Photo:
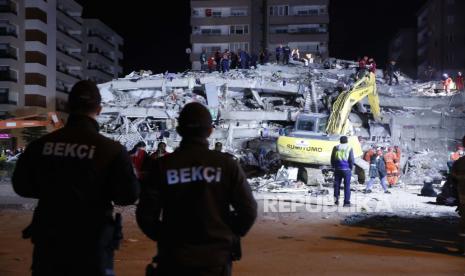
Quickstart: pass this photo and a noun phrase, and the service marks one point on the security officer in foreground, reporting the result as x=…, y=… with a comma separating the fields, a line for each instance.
x=77, y=175
x=458, y=174
x=193, y=189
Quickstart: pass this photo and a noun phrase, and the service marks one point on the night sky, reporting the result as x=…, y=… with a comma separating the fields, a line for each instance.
x=156, y=33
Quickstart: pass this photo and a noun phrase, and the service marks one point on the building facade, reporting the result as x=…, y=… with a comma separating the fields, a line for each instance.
x=441, y=37
x=255, y=25
x=44, y=51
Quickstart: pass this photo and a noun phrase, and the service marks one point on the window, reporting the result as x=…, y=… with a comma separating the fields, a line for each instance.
x=238, y=11
x=36, y=79
x=36, y=57
x=8, y=6
x=234, y=47
x=35, y=100
x=279, y=10
x=450, y=19
x=239, y=29
x=216, y=13
x=306, y=125
x=35, y=13
x=210, y=31
x=4, y=96
x=306, y=10
x=7, y=29
x=8, y=75
x=6, y=51
x=36, y=35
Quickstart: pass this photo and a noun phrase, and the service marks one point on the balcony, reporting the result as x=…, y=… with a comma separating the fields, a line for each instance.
x=100, y=70
x=7, y=32
x=299, y=19
x=9, y=7
x=8, y=75
x=232, y=20
x=68, y=72
x=103, y=38
x=63, y=51
x=65, y=12
x=199, y=38
x=9, y=52
x=296, y=37
x=102, y=54
x=65, y=32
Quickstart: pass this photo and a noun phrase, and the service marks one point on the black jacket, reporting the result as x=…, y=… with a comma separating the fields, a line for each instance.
x=194, y=188
x=77, y=174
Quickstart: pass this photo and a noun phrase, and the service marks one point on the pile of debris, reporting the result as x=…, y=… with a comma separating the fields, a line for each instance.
x=251, y=108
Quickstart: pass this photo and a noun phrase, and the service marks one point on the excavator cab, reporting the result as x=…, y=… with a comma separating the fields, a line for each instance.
x=311, y=122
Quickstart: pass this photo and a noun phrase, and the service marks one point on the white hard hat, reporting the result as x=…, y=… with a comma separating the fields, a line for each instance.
x=445, y=75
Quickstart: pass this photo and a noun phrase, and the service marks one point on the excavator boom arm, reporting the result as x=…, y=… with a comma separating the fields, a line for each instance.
x=364, y=87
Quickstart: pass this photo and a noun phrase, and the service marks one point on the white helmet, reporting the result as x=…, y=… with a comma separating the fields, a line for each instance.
x=445, y=75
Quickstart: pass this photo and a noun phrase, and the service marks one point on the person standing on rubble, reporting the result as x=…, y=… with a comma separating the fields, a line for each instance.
x=392, y=72
x=218, y=60
x=342, y=160
x=194, y=189
x=459, y=81
x=286, y=54
x=362, y=67
x=447, y=83
x=203, y=60
x=211, y=64
x=392, y=159
x=77, y=175
x=458, y=175
x=244, y=59
x=225, y=61
x=279, y=52
x=371, y=65
x=377, y=169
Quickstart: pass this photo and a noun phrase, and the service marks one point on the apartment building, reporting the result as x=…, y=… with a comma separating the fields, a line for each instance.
x=301, y=24
x=441, y=37
x=44, y=51
x=103, y=51
x=254, y=25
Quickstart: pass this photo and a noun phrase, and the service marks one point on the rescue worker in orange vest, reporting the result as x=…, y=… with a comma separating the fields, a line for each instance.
x=454, y=156
x=392, y=159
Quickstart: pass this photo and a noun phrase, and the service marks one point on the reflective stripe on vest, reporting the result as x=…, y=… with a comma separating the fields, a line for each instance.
x=342, y=152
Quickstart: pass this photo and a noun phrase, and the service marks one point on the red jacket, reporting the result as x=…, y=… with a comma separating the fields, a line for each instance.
x=459, y=82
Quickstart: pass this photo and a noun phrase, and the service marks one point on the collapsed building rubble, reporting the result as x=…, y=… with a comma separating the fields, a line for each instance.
x=251, y=108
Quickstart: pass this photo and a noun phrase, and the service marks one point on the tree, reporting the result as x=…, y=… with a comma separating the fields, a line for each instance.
x=32, y=133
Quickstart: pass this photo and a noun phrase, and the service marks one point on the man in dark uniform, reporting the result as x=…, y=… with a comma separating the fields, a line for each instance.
x=77, y=174
x=194, y=189
x=458, y=175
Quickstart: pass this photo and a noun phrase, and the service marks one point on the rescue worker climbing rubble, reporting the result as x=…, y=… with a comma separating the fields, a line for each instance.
x=458, y=175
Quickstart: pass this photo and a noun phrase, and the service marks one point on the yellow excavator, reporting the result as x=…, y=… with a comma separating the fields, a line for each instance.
x=310, y=143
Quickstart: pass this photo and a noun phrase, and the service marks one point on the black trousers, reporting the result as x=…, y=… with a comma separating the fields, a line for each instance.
x=169, y=269
x=53, y=260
